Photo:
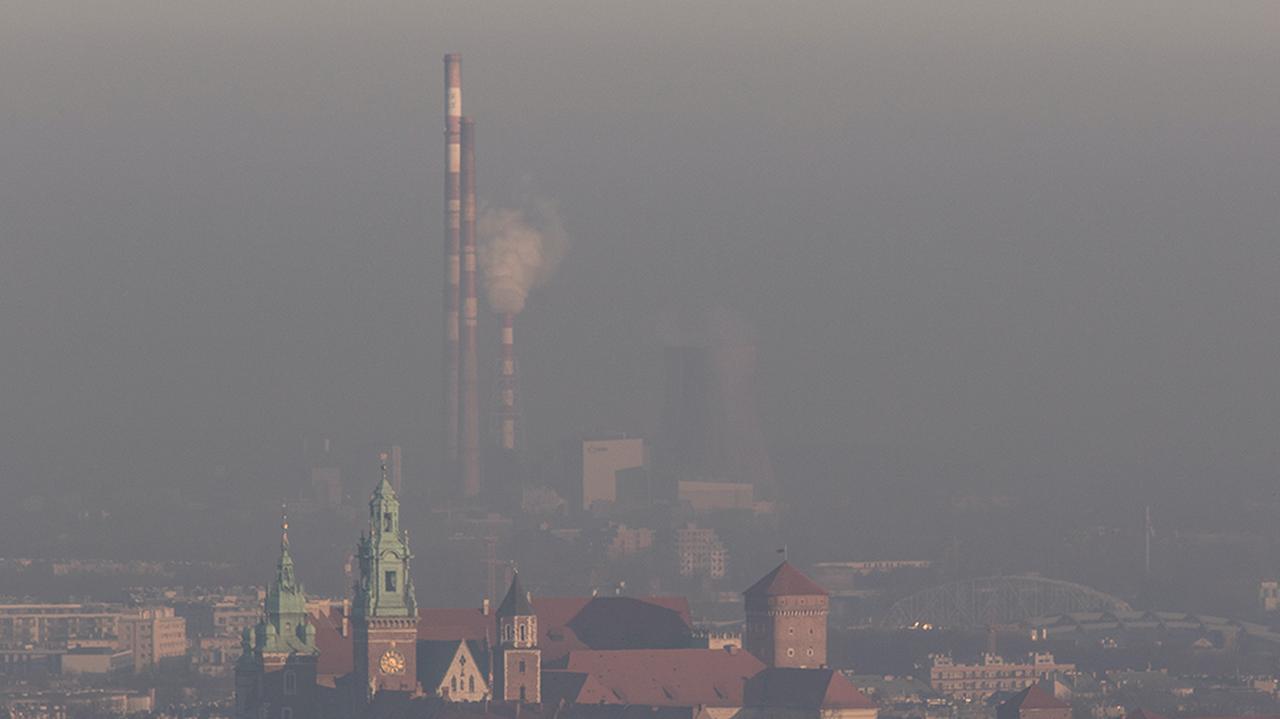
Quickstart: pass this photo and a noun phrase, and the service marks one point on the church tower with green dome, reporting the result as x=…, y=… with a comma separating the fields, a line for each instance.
x=276, y=673
x=385, y=611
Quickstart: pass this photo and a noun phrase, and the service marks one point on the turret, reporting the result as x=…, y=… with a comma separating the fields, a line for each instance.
x=519, y=667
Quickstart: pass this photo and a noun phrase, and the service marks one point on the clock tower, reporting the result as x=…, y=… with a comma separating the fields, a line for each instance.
x=385, y=610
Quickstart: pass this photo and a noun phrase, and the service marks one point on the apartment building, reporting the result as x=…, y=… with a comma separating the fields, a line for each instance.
x=991, y=674
x=153, y=634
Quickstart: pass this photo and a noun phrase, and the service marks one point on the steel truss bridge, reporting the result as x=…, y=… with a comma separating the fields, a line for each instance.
x=1000, y=600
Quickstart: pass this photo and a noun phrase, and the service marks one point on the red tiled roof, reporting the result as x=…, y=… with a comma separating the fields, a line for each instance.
x=432, y=708
x=572, y=688
x=841, y=693
x=337, y=657
x=448, y=623
x=805, y=688
x=1033, y=697
x=669, y=677
x=785, y=580
x=629, y=623
x=566, y=624
x=1232, y=717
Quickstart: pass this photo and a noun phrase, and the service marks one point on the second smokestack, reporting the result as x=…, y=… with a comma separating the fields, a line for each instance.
x=508, y=410
x=470, y=420
x=452, y=250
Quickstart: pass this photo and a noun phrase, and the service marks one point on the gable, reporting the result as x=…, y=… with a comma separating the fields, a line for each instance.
x=450, y=669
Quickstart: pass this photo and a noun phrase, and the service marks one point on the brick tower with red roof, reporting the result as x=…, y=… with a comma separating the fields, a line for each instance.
x=787, y=620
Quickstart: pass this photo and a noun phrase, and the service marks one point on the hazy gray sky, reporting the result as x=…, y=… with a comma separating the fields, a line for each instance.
x=1038, y=236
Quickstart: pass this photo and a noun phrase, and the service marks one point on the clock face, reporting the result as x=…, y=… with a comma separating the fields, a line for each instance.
x=392, y=662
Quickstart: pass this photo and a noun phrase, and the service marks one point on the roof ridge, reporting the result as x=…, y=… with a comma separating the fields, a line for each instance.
x=786, y=580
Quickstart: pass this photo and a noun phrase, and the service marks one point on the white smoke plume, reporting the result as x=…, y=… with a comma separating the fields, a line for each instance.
x=518, y=251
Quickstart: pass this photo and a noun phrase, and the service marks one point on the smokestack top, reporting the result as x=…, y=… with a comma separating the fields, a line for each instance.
x=453, y=98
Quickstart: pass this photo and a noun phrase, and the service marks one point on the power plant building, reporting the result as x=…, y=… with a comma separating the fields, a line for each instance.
x=598, y=461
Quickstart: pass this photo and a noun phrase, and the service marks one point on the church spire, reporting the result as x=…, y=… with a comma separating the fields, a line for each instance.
x=384, y=486
x=284, y=628
x=516, y=603
x=284, y=567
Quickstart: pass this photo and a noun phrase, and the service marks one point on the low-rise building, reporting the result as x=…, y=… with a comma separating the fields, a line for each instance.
x=991, y=674
x=216, y=656
x=55, y=624
x=1033, y=703
x=699, y=552
x=630, y=540
x=96, y=660
x=29, y=661
x=1269, y=596
x=716, y=496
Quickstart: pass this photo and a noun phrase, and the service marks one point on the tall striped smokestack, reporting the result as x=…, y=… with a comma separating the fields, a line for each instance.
x=507, y=389
x=452, y=248
x=470, y=421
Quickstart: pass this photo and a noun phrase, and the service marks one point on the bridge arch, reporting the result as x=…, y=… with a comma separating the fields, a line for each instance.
x=997, y=600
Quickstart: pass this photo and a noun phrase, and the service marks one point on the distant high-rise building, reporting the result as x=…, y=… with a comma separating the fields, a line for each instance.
x=710, y=426
x=396, y=476
x=325, y=474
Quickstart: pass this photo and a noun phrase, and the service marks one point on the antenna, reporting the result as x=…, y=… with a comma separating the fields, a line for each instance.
x=1148, y=531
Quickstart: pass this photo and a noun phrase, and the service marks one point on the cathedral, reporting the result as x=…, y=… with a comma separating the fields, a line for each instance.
x=379, y=655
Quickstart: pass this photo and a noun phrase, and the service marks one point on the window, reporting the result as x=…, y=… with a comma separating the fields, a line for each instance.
x=453, y=684
x=391, y=581
x=522, y=632
x=471, y=683
x=522, y=666
x=290, y=683
x=791, y=652
x=387, y=524
x=522, y=693
x=809, y=651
